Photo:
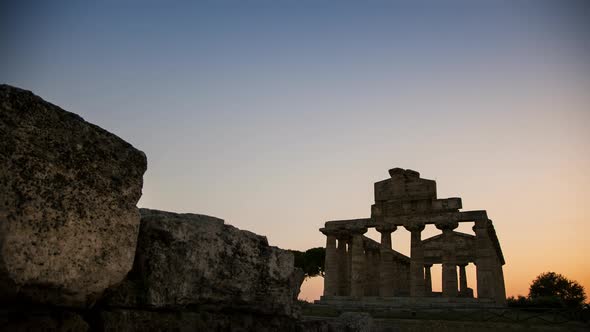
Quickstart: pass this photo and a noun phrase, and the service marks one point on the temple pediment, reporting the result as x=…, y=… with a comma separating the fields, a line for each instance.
x=464, y=245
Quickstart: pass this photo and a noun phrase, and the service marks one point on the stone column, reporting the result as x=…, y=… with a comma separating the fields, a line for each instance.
x=462, y=278
x=372, y=271
x=342, y=266
x=330, y=264
x=449, y=263
x=368, y=273
x=427, y=280
x=358, y=263
x=349, y=265
x=387, y=266
x=500, y=287
x=416, y=260
x=377, y=271
x=484, y=260
x=404, y=278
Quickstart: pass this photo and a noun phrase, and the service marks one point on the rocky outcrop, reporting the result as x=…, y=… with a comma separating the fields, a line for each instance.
x=74, y=255
x=68, y=194
x=212, y=273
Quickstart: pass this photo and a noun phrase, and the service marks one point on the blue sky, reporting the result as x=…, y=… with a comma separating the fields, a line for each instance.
x=280, y=115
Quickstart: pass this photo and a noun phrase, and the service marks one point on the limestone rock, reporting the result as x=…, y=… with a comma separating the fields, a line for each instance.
x=191, y=260
x=353, y=322
x=68, y=194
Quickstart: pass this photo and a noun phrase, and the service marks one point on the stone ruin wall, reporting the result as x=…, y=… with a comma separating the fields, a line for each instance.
x=358, y=268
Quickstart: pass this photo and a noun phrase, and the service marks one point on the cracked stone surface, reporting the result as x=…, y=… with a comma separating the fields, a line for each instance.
x=192, y=260
x=68, y=194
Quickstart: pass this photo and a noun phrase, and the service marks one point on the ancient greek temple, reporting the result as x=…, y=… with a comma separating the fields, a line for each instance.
x=360, y=269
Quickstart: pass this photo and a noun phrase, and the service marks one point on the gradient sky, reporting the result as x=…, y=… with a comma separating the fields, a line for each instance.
x=280, y=115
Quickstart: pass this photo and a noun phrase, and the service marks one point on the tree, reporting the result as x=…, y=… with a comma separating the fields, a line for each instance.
x=520, y=301
x=549, y=287
x=311, y=261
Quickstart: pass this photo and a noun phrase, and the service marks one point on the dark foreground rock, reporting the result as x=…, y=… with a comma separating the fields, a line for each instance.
x=234, y=321
x=68, y=194
x=346, y=322
x=208, y=272
x=34, y=319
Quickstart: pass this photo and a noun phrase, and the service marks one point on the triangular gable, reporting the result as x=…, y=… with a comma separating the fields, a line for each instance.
x=464, y=248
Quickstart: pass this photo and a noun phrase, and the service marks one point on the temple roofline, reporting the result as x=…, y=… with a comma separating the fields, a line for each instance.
x=427, y=219
x=438, y=236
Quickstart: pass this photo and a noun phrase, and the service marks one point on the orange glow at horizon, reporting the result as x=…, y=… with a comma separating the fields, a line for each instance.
x=517, y=279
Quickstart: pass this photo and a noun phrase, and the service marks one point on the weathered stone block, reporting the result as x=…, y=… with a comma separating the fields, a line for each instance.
x=393, y=208
x=404, y=186
x=420, y=188
x=377, y=210
x=68, y=194
x=415, y=206
x=353, y=322
x=190, y=260
x=447, y=204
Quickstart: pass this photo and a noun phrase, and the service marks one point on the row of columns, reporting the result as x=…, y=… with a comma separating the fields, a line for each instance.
x=345, y=263
x=462, y=278
x=345, y=270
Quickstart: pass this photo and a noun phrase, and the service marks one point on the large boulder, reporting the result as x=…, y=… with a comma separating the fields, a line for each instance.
x=188, y=261
x=68, y=194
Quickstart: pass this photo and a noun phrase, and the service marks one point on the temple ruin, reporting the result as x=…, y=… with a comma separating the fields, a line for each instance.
x=360, y=270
